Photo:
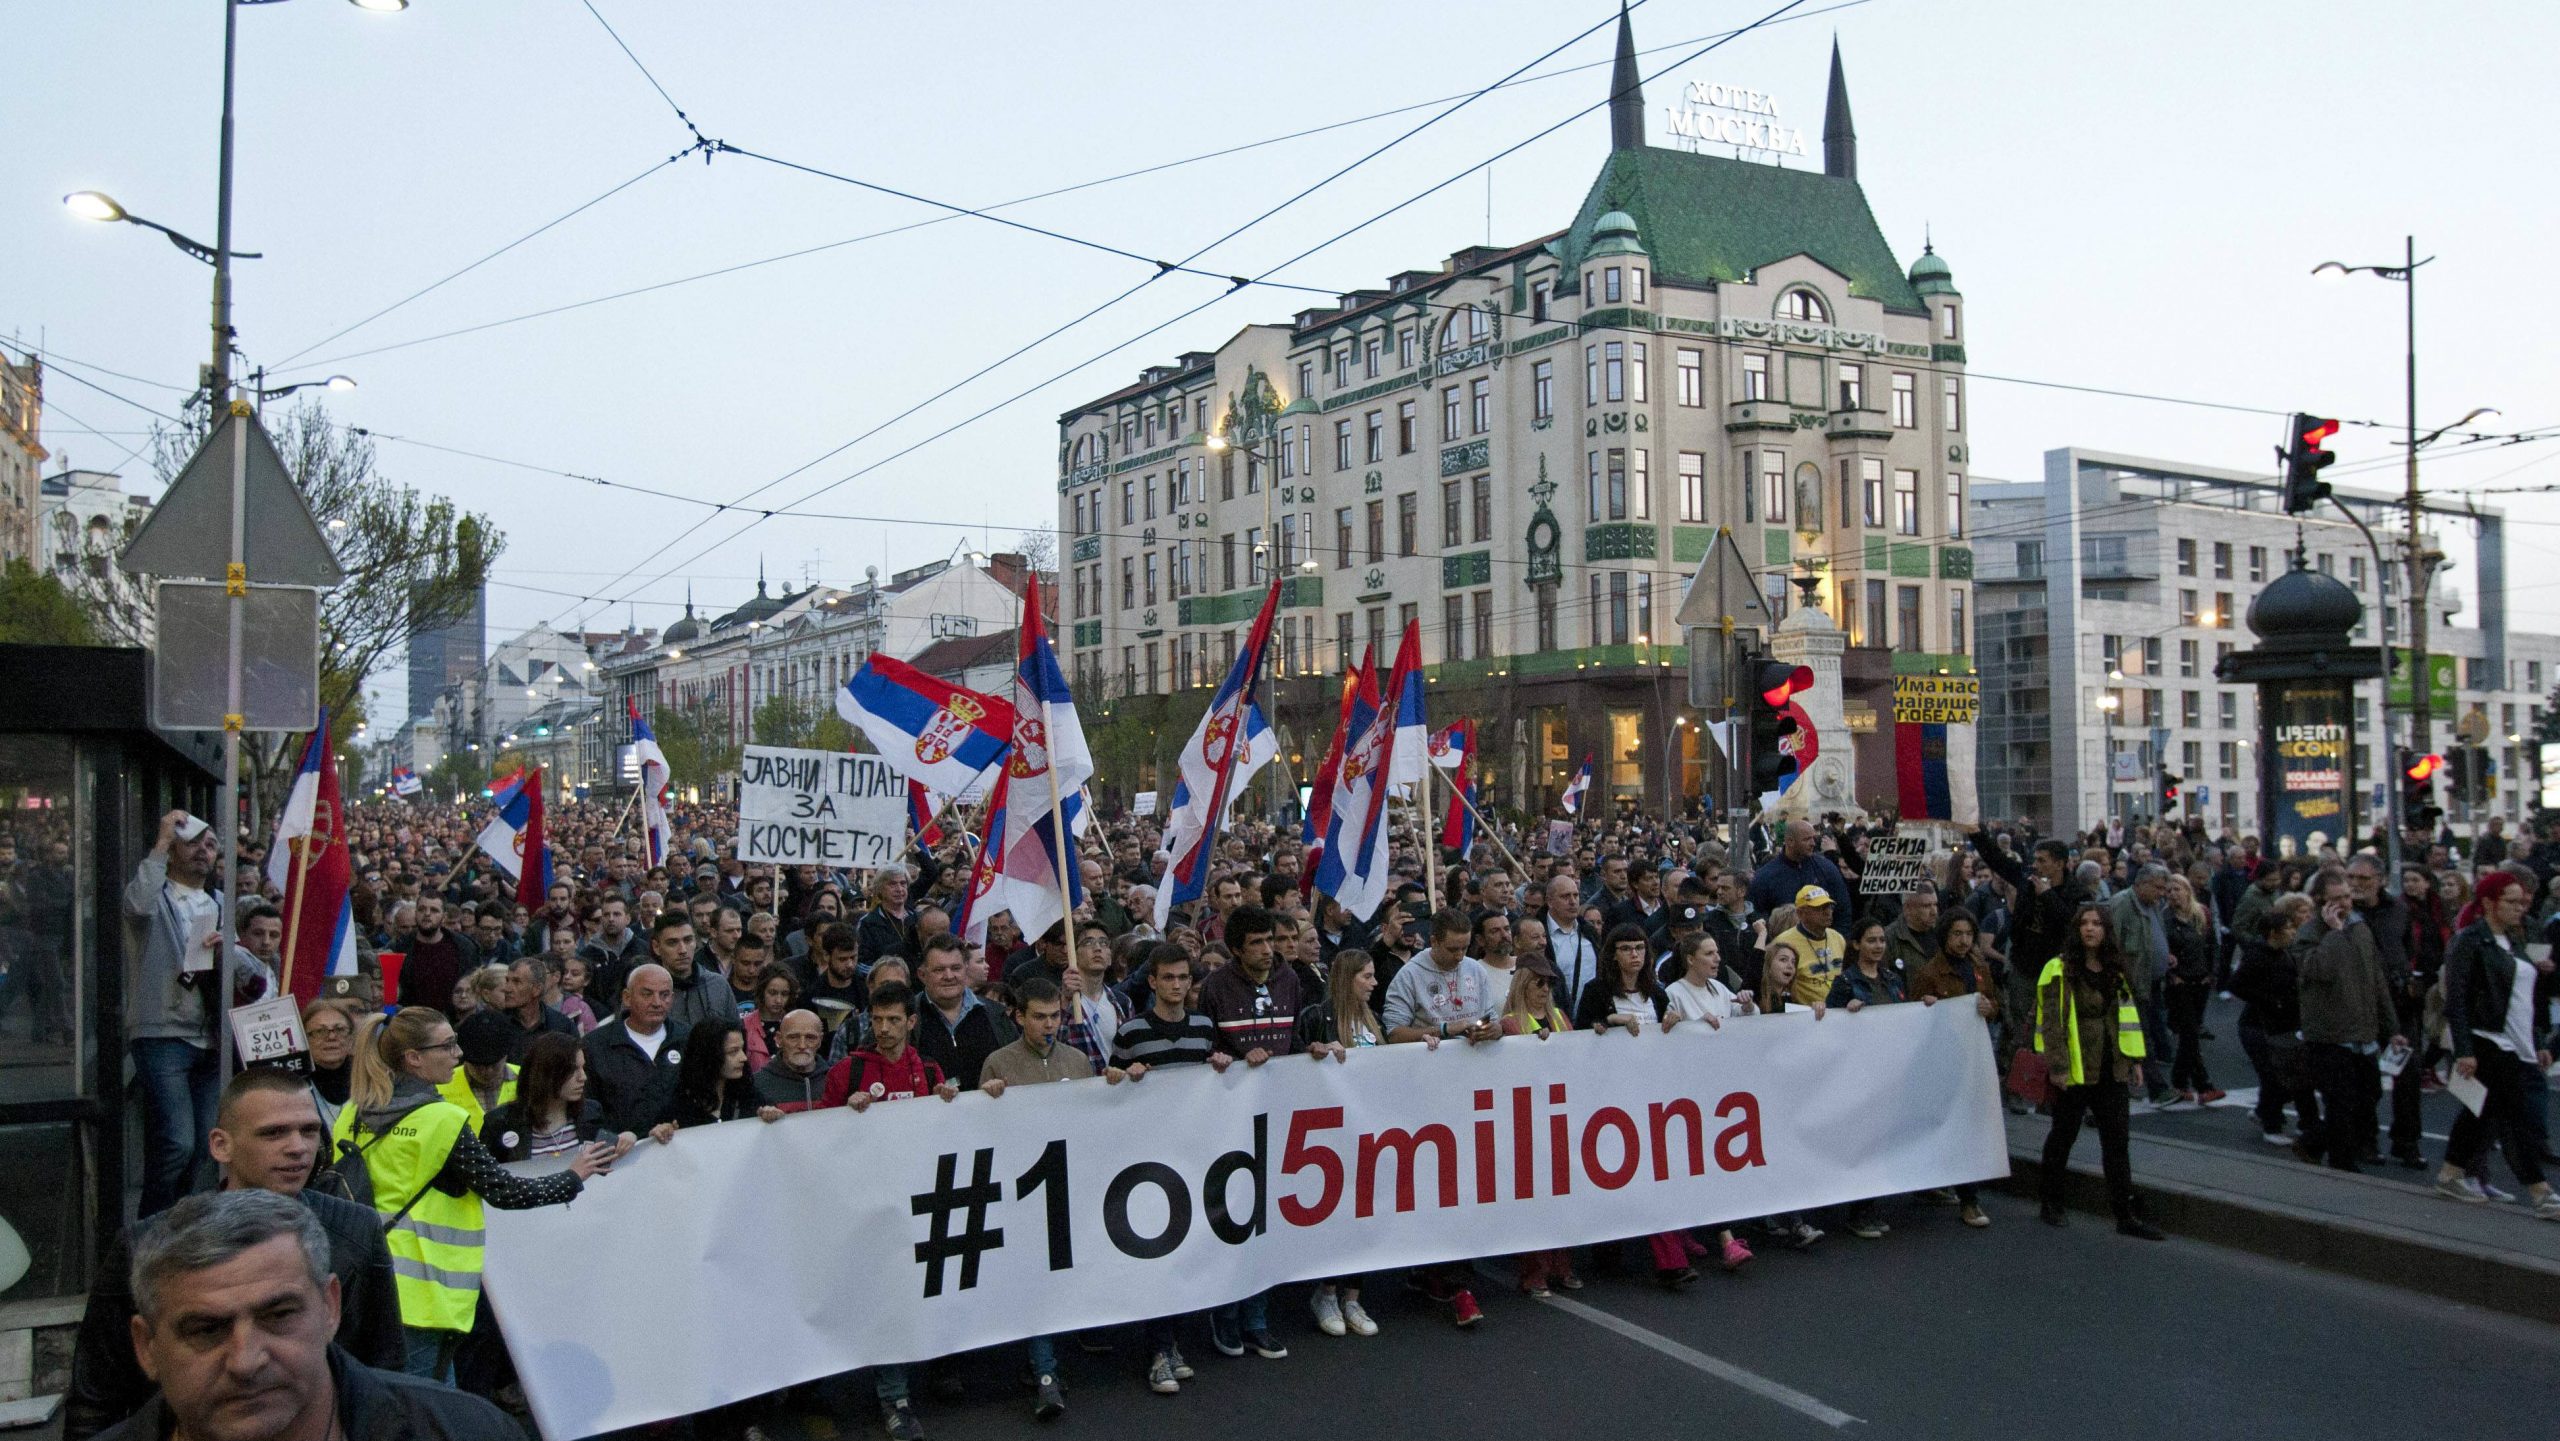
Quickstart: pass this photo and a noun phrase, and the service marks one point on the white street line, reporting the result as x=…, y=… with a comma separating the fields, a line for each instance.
x=1725, y=1371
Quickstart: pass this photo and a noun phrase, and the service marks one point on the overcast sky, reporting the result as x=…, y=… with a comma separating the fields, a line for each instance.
x=2130, y=196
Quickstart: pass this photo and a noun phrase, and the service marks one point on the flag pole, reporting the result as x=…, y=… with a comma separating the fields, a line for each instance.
x=1065, y=852
x=1430, y=838
x=293, y=923
x=1485, y=828
x=629, y=807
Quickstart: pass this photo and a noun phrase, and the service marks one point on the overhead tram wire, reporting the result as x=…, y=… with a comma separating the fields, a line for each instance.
x=434, y=285
x=1115, y=300
x=1142, y=171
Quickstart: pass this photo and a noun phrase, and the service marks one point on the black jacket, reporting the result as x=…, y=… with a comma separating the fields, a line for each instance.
x=633, y=1090
x=2479, y=982
x=508, y=1133
x=963, y=1053
x=107, y=1384
x=373, y=1405
x=2041, y=928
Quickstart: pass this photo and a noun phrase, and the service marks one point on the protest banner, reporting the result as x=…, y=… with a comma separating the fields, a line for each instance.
x=820, y=808
x=923, y=1228
x=1896, y=864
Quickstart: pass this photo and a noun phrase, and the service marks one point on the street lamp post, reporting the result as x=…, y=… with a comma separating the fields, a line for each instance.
x=1251, y=425
x=92, y=205
x=2107, y=703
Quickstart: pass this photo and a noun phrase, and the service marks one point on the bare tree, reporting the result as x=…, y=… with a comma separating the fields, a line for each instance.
x=1039, y=550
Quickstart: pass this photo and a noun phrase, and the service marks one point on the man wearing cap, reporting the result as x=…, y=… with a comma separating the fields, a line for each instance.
x=1818, y=948
x=173, y=921
x=484, y=1081
x=1685, y=921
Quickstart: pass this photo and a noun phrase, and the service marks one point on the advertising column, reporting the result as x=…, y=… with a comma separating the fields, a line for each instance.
x=2304, y=774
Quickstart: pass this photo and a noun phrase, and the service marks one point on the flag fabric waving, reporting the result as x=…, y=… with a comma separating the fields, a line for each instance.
x=515, y=833
x=656, y=781
x=405, y=782
x=1205, y=775
x=1029, y=865
x=934, y=733
x=308, y=863
x=924, y=811
x=1320, y=795
x=1457, y=744
x=1573, y=792
x=1353, y=869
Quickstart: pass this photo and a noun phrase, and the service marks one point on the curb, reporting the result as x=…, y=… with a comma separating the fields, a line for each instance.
x=2483, y=1276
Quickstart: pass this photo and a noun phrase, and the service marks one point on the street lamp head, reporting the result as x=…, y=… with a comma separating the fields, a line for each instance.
x=340, y=382
x=93, y=205
x=1217, y=441
x=381, y=7
x=2106, y=703
x=2115, y=673
x=2331, y=271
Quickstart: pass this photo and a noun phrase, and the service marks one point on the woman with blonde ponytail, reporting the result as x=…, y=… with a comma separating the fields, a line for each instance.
x=431, y=1177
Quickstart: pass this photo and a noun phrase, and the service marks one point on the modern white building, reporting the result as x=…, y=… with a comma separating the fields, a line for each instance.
x=2111, y=590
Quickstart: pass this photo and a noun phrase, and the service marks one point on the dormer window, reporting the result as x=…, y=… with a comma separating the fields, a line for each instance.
x=1635, y=284
x=1612, y=284
x=1803, y=307
x=1946, y=322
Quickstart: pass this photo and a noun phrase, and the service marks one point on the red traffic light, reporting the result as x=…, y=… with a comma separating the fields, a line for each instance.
x=2424, y=768
x=2316, y=430
x=1784, y=689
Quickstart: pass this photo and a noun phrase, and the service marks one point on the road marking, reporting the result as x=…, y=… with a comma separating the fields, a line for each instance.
x=1697, y=1360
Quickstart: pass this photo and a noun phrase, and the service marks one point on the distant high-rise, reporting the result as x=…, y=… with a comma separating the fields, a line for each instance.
x=439, y=658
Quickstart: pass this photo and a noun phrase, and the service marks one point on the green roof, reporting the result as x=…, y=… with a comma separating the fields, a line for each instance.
x=1709, y=218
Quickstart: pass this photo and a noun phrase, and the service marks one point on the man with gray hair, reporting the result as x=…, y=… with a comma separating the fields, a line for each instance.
x=2141, y=916
x=235, y=1308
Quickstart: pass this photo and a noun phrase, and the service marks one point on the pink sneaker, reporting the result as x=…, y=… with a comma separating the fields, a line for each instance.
x=1735, y=1253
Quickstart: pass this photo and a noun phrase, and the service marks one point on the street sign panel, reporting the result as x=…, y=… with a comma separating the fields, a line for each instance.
x=1723, y=601
x=188, y=533
x=279, y=657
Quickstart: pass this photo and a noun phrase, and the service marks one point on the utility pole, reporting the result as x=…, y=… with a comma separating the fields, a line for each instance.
x=2421, y=703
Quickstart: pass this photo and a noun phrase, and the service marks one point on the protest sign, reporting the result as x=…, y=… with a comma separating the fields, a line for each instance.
x=819, y=808
x=1896, y=864
x=1083, y=1204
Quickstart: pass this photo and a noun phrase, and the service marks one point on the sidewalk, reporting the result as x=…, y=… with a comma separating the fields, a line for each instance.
x=2376, y=1227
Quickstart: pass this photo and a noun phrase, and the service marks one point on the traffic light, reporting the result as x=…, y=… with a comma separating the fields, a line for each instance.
x=2304, y=458
x=2169, y=783
x=2418, y=808
x=1775, y=721
x=2458, y=765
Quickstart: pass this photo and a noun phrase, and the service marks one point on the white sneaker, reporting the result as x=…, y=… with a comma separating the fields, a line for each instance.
x=1358, y=1319
x=1329, y=1314
x=2547, y=1208
x=2492, y=1193
x=2275, y=1138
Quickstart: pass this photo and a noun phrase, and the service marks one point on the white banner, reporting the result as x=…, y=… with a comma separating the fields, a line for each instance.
x=821, y=808
x=922, y=1228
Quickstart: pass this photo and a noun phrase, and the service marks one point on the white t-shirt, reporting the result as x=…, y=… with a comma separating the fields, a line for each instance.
x=1693, y=1002
x=2517, y=1038
x=650, y=1042
x=1502, y=978
x=1634, y=1013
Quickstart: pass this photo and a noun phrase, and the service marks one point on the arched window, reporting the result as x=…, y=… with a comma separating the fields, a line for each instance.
x=1803, y=307
x=1453, y=331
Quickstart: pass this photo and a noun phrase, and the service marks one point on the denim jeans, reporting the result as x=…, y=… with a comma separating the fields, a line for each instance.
x=1253, y=1313
x=889, y=1383
x=1044, y=1355
x=181, y=1084
x=430, y=1356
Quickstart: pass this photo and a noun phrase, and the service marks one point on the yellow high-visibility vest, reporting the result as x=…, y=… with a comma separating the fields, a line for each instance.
x=457, y=1089
x=437, y=1241
x=2128, y=1020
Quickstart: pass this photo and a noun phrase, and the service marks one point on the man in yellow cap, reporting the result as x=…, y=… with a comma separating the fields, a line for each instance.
x=1818, y=948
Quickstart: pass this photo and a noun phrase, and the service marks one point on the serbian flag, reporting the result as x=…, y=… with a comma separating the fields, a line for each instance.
x=1320, y=795
x=1353, y=869
x=515, y=833
x=1029, y=864
x=1454, y=749
x=308, y=863
x=1205, y=775
x=934, y=733
x=405, y=782
x=1573, y=792
x=656, y=781
x=1933, y=765
x=923, y=811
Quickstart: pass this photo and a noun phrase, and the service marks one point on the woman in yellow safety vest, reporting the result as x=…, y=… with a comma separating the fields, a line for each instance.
x=430, y=1176
x=2089, y=1030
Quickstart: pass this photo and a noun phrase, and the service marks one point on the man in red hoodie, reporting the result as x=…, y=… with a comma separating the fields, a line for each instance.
x=891, y=1070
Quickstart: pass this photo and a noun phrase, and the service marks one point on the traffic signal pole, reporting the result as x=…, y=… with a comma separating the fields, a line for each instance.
x=2421, y=702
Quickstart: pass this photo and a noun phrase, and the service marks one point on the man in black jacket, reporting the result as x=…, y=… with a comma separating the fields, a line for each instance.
x=236, y=1307
x=954, y=1029
x=267, y=1137
x=631, y=1059
x=2041, y=927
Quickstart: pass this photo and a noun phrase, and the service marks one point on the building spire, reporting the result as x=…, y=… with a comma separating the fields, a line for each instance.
x=760, y=577
x=1626, y=90
x=1839, y=136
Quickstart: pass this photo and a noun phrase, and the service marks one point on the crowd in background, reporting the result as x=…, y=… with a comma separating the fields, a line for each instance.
x=639, y=1000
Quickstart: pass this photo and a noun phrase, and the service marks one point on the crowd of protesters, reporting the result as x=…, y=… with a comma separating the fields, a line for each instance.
x=641, y=1000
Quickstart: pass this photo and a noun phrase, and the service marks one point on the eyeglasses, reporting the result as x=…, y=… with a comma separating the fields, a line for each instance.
x=443, y=1046
x=325, y=1033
